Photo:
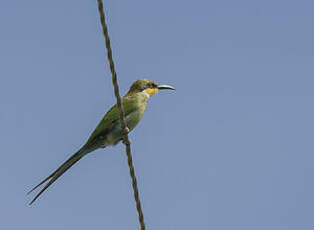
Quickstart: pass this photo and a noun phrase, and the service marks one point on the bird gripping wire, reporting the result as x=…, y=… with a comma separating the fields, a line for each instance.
x=124, y=128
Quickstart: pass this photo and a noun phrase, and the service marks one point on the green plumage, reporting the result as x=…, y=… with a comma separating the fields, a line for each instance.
x=108, y=131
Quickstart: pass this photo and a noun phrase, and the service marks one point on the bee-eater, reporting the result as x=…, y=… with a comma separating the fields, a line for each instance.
x=108, y=132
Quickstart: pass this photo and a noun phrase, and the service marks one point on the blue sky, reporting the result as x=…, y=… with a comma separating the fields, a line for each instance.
x=232, y=148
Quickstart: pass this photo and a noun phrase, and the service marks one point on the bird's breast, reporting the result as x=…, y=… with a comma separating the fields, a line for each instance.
x=134, y=118
x=131, y=119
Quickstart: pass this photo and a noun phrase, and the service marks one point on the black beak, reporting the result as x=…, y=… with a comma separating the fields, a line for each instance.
x=166, y=87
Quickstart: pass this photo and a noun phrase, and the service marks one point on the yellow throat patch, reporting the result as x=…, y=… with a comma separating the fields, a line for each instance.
x=150, y=91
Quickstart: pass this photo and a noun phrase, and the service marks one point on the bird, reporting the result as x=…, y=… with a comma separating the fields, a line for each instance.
x=108, y=132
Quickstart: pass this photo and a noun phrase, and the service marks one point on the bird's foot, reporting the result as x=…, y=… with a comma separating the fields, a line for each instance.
x=125, y=131
x=126, y=141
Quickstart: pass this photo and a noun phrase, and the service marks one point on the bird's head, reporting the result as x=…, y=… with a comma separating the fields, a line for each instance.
x=148, y=87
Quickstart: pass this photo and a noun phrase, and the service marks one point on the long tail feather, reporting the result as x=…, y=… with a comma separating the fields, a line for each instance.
x=56, y=174
x=51, y=175
x=29, y=192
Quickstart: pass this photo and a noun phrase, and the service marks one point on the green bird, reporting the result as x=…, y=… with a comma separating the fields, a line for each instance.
x=108, y=131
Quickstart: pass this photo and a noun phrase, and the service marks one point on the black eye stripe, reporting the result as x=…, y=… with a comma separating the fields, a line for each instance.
x=151, y=86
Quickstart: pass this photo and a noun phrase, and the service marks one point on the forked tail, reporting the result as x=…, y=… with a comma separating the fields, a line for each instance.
x=56, y=174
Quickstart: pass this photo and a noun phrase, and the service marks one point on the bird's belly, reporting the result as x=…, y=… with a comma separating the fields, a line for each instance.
x=131, y=121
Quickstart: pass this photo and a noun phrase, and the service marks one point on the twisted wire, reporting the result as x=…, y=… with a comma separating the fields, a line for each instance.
x=124, y=128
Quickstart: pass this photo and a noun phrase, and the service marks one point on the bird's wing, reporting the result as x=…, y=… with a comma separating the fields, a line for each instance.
x=111, y=118
x=105, y=125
